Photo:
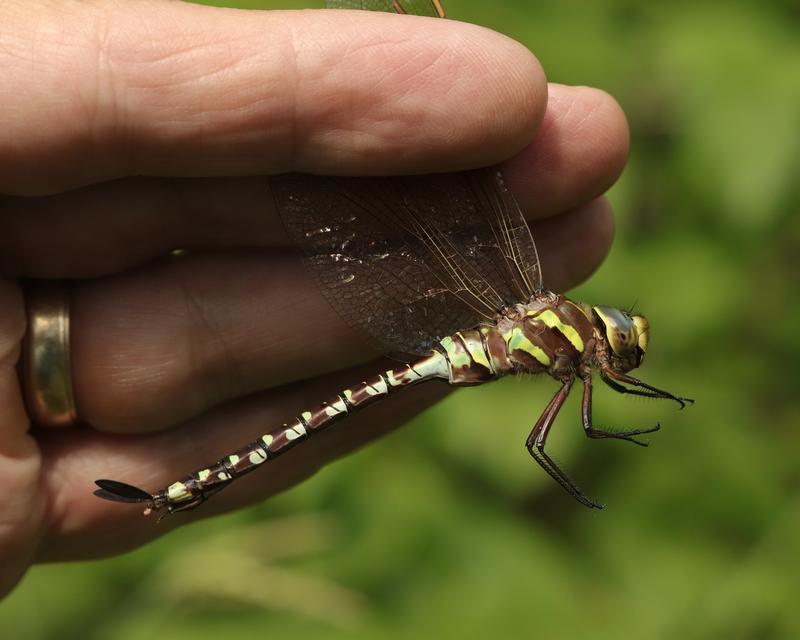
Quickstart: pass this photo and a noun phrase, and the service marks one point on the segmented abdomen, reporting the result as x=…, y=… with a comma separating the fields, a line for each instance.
x=197, y=487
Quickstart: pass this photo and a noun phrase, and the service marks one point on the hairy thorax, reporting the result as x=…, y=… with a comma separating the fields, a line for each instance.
x=548, y=334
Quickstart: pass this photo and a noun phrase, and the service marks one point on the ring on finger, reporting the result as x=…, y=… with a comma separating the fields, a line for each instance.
x=47, y=368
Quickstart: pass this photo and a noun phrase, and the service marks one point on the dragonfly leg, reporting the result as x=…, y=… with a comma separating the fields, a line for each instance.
x=592, y=432
x=612, y=379
x=538, y=438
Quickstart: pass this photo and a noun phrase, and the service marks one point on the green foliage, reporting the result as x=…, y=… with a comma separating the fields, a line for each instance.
x=446, y=529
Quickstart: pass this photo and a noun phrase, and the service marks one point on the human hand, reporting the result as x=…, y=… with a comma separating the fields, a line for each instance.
x=128, y=130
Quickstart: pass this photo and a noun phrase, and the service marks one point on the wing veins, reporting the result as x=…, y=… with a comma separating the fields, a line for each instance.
x=456, y=286
x=458, y=274
x=352, y=197
x=508, y=246
x=433, y=240
x=501, y=204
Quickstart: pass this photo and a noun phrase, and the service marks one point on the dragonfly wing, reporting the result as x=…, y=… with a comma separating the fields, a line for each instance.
x=410, y=260
x=471, y=225
x=431, y=8
x=513, y=238
x=377, y=275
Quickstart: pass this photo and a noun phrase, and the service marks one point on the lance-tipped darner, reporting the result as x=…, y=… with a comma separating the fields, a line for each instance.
x=443, y=268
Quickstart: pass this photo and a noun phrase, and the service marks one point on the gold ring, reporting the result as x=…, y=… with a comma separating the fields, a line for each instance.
x=47, y=370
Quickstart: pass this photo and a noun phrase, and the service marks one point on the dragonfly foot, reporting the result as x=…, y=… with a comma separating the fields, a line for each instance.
x=601, y=434
x=554, y=471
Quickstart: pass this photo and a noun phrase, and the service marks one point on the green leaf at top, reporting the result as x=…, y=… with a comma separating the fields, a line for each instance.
x=414, y=7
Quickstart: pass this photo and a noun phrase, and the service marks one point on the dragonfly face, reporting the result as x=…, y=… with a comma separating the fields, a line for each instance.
x=626, y=336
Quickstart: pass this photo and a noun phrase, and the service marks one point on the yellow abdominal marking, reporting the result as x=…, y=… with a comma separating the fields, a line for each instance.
x=348, y=395
x=477, y=352
x=267, y=440
x=336, y=408
x=551, y=319
x=177, y=492
x=203, y=475
x=377, y=389
x=257, y=457
x=394, y=381
x=223, y=475
x=458, y=358
x=233, y=459
x=295, y=432
x=518, y=341
x=306, y=415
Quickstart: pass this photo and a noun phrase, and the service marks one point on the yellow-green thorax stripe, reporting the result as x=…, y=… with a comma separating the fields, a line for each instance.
x=519, y=341
x=551, y=319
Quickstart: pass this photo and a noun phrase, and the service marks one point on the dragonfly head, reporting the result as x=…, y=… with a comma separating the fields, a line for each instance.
x=626, y=335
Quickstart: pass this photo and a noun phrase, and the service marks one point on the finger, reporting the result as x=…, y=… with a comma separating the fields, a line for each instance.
x=193, y=332
x=577, y=243
x=578, y=154
x=157, y=346
x=82, y=526
x=22, y=508
x=579, y=151
x=176, y=89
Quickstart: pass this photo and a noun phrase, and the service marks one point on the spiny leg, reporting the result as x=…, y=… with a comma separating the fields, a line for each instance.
x=538, y=438
x=652, y=392
x=592, y=432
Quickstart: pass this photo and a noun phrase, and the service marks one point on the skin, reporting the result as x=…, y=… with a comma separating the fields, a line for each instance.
x=129, y=129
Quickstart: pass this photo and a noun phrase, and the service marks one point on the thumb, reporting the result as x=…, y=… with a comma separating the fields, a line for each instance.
x=22, y=505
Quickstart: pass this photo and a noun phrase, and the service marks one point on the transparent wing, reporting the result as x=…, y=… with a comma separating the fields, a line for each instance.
x=431, y=8
x=412, y=259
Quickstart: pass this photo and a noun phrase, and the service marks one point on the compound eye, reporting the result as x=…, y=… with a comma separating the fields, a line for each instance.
x=643, y=331
x=619, y=330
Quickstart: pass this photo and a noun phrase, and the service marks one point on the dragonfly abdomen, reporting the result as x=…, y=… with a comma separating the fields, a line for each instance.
x=467, y=357
x=197, y=487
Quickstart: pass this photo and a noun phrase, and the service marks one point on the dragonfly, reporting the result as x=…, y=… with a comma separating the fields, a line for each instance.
x=445, y=270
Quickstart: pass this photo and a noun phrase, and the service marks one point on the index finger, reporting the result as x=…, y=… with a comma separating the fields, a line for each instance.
x=94, y=91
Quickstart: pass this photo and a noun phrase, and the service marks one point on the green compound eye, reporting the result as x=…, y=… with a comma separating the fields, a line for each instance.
x=643, y=331
x=620, y=330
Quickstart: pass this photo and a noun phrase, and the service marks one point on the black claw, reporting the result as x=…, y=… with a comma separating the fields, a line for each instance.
x=645, y=443
x=554, y=471
x=626, y=435
x=588, y=502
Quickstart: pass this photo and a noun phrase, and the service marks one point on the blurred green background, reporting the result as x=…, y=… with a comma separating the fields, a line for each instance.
x=419, y=536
